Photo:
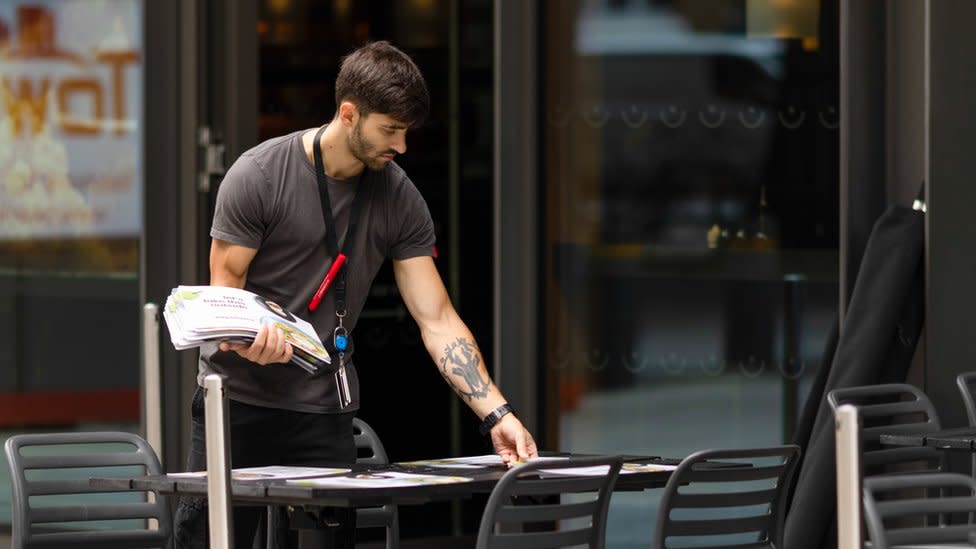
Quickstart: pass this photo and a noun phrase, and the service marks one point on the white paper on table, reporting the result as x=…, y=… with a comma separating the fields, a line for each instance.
x=386, y=479
x=629, y=468
x=441, y=463
x=472, y=462
x=271, y=472
x=601, y=470
x=591, y=471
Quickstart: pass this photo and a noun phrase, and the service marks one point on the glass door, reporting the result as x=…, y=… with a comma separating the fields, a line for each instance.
x=691, y=233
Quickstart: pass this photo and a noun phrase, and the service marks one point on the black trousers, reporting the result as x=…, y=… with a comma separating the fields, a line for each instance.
x=266, y=436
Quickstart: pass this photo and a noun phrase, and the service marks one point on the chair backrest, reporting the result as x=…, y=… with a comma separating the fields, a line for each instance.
x=370, y=449
x=967, y=385
x=526, y=507
x=371, y=452
x=899, y=509
x=53, y=503
x=727, y=498
x=897, y=408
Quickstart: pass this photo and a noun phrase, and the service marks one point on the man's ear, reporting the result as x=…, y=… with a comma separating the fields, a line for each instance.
x=348, y=114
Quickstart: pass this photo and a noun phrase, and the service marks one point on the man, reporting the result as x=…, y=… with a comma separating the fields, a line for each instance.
x=285, y=211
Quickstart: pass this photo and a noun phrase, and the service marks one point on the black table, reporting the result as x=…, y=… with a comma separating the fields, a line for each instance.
x=279, y=491
x=959, y=438
x=314, y=499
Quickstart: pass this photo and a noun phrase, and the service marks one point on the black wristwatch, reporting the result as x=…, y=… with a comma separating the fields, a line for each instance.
x=494, y=417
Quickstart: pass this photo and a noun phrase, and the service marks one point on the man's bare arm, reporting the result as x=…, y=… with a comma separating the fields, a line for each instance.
x=229, y=263
x=454, y=350
x=446, y=337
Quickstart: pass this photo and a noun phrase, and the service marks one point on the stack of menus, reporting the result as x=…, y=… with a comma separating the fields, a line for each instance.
x=199, y=314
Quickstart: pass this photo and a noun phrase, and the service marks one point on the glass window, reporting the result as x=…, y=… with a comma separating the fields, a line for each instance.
x=691, y=225
x=70, y=214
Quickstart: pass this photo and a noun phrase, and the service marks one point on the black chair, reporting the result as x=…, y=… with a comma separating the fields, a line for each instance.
x=892, y=408
x=727, y=498
x=371, y=452
x=899, y=509
x=53, y=504
x=967, y=387
x=526, y=506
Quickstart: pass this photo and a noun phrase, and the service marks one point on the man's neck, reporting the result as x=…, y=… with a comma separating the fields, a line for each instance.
x=338, y=160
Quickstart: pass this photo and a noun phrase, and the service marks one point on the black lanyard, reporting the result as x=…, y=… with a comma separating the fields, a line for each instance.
x=331, y=237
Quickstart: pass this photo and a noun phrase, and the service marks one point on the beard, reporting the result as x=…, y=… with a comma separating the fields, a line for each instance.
x=364, y=151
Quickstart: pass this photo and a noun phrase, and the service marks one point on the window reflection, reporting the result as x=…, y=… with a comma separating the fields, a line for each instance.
x=71, y=85
x=70, y=212
x=691, y=221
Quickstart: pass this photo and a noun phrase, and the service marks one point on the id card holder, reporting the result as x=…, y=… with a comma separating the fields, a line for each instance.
x=342, y=384
x=340, y=338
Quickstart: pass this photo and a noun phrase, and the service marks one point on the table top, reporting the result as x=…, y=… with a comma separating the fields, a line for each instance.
x=281, y=491
x=958, y=438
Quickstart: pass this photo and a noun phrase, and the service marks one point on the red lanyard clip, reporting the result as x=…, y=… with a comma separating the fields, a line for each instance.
x=340, y=260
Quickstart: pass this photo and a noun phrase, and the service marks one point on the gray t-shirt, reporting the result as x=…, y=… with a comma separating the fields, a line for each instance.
x=269, y=200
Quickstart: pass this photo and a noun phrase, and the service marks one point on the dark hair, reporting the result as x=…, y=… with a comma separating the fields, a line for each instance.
x=379, y=78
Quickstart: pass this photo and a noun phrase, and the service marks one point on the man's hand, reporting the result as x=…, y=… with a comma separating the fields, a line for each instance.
x=268, y=347
x=512, y=440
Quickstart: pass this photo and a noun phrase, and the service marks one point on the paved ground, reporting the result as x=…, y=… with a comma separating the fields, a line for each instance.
x=677, y=416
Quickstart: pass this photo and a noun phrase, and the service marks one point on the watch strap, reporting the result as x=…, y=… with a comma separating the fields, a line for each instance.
x=494, y=417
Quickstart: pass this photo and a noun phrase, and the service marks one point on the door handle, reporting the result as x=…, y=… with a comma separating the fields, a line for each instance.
x=211, y=157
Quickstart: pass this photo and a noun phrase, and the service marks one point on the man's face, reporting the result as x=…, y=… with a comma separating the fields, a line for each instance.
x=376, y=139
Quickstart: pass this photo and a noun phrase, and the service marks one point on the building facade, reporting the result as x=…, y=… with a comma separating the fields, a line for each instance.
x=650, y=212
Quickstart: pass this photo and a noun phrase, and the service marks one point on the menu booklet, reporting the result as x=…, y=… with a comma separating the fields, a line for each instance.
x=471, y=462
x=379, y=479
x=494, y=460
x=602, y=470
x=270, y=472
x=199, y=314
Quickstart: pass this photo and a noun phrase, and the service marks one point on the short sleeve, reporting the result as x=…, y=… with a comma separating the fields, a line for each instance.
x=414, y=236
x=240, y=212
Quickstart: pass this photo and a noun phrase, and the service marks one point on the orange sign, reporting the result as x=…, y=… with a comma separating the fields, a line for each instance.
x=70, y=119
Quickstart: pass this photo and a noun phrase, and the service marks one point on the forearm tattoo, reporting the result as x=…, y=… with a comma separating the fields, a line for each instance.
x=461, y=358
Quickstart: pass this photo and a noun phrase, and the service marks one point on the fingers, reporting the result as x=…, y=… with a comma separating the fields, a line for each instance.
x=523, y=453
x=530, y=446
x=517, y=437
x=232, y=346
x=269, y=347
x=288, y=352
x=274, y=348
x=513, y=442
x=273, y=345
